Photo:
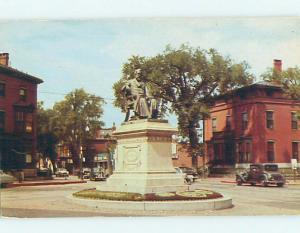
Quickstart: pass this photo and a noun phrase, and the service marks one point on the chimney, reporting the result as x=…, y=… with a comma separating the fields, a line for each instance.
x=277, y=65
x=4, y=59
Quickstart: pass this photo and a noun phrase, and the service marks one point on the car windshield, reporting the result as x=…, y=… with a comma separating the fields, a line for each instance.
x=271, y=167
x=255, y=167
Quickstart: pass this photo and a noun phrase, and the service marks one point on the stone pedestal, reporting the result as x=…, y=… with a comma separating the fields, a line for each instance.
x=143, y=159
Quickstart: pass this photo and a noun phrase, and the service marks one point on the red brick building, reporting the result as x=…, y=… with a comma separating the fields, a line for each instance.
x=101, y=150
x=18, y=102
x=181, y=157
x=253, y=124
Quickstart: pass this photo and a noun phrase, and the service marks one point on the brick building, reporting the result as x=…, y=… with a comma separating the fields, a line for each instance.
x=101, y=150
x=181, y=157
x=18, y=102
x=253, y=124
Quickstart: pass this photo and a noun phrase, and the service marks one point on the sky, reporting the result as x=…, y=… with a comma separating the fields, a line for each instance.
x=89, y=53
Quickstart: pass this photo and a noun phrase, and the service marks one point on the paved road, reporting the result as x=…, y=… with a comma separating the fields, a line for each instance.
x=56, y=201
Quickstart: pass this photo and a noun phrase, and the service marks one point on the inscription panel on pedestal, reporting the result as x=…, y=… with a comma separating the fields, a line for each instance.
x=132, y=157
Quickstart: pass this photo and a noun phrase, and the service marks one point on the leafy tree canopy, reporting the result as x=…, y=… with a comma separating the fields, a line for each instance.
x=47, y=137
x=289, y=79
x=186, y=79
x=74, y=119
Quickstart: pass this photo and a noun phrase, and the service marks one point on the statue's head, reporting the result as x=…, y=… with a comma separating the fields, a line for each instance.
x=138, y=74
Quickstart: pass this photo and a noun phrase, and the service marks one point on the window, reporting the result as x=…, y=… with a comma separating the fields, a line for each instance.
x=2, y=89
x=244, y=152
x=28, y=158
x=228, y=122
x=28, y=123
x=270, y=151
x=218, y=151
x=19, y=122
x=214, y=124
x=248, y=152
x=174, y=150
x=23, y=122
x=23, y=94
x=294, y=120
x=2, y=121
x=295, y=150
x=270, y=119
x=244, y=120
x=240, y=152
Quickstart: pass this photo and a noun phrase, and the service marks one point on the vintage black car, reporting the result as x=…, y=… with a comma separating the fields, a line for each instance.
x=263, y=174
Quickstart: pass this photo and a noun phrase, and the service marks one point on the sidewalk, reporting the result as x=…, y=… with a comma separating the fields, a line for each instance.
x=55, y=181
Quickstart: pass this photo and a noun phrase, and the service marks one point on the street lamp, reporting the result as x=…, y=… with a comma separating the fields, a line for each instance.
x=87, y=129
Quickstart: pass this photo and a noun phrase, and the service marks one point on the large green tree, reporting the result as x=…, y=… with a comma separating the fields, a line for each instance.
x=289, y=79
x=76, y=118
x=47, y=137
x=187, y=79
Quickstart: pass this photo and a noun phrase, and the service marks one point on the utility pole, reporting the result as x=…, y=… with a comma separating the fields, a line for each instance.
x=203, y=158
x=80, y=163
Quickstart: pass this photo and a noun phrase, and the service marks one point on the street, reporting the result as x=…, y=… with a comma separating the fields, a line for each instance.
x=57, y=201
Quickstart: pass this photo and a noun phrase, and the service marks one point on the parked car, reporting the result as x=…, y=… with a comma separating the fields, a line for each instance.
x=61, y=172
x=97, y=174
x=44, y=172
x=85, y=173
x=190, y=171
x=189, y=178
x=264, y=174
x=5, y=179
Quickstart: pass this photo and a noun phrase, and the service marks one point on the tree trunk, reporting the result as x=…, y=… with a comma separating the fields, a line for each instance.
x=193, y=143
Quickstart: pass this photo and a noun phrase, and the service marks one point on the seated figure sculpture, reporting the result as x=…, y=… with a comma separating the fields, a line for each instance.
x=137, y=99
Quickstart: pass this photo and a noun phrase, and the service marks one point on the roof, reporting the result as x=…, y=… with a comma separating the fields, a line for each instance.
x=267, y=84
x=260, y=84
x=19, y=74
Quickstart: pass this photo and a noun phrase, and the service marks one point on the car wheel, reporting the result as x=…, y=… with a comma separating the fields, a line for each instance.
x=239, y=181
x=265, y=182
x=280, y=184
x=187, y=181
x=253, y=184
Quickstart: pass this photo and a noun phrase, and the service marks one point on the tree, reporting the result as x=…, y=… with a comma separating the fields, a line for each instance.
x=289, y=79
x=47, y=137
x=187, y=80
x=76, y=118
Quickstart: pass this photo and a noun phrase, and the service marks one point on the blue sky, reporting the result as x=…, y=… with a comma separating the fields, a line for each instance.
x=69, y=54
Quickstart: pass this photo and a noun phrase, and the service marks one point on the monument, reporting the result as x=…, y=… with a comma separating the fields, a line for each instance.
x=143, y=154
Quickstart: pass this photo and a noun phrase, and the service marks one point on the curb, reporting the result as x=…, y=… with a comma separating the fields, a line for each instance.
x=13, y=185
x=197, y=205
x=228, y=182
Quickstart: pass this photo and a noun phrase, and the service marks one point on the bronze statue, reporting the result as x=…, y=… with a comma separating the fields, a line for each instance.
x=143, y=105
